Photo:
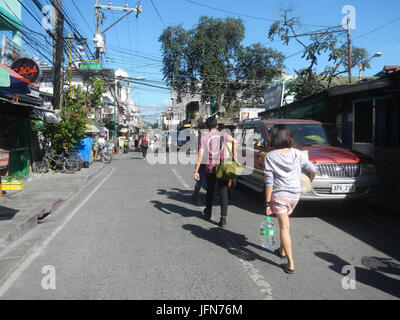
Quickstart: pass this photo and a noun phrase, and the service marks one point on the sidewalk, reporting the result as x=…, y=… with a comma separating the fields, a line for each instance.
x=20, y=211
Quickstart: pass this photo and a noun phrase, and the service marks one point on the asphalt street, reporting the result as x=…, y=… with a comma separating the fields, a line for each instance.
x=136, y=234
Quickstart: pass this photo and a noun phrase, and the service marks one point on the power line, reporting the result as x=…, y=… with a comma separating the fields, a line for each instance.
x=245, y=15
x=80, y=13
x=158, y=13
x=376, y=29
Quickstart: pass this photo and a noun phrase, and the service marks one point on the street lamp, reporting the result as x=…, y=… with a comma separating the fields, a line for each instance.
x=363, y=65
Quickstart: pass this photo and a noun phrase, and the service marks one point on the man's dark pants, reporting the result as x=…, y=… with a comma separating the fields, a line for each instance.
x=211, y=180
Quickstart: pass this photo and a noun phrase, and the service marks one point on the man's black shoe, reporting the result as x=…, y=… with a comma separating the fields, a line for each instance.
x=207, y=214
x=222, y=222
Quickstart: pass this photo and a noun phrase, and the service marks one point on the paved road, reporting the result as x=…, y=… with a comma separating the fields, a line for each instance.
x=135, y=234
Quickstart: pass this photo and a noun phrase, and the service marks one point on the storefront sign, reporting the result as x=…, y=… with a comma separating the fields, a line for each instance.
x=249, y=113
x=27, y=68
x=10, y=52
x=4, y=157
x=273, y=97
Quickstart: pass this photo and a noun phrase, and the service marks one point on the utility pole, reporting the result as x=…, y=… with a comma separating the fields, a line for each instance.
x=100, y=46
x=70, y=40
x=70, y=65
x=58, y=55
x=349, y=47
x=99, y=41
x=99, y=36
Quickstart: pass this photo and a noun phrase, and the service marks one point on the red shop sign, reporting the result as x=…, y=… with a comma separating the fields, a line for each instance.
x=27, y=68
x=4, y=159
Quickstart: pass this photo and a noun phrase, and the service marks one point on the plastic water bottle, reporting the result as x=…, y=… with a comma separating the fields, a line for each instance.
x=267, y=233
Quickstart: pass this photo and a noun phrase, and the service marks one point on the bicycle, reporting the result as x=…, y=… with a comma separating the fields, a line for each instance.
x=68, y=165
x=76, y=160
x=103, y=155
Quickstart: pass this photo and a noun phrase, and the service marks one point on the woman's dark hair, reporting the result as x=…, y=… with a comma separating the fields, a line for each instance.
x=280, y=137
x=211, y=123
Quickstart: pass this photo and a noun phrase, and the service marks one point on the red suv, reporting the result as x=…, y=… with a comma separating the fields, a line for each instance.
x=342, y=174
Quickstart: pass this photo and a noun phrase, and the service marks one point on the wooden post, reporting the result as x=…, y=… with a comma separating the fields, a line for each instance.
x=349, y=46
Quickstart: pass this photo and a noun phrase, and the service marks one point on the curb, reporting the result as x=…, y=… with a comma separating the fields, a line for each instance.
x=20, y=230
x=39, y=216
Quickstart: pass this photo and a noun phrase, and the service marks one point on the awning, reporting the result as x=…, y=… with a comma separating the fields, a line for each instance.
x=92, y=128
x=11, y=82
x=9, y=21
x=101, y=130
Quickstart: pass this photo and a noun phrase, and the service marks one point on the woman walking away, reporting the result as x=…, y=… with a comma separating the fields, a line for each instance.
x=144, y=144
x=212, y=146
x=283, y=167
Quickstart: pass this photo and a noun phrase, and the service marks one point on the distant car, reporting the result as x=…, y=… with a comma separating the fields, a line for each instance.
x=342, y=174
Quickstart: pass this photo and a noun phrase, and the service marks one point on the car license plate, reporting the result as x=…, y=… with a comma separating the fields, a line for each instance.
x=343, y=188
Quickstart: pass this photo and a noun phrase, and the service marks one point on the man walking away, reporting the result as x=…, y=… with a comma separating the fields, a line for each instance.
x=214, y=150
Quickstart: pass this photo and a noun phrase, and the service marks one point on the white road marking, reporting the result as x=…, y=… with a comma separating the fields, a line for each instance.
x=39, y=249
x=185, y=185
x=254, y=274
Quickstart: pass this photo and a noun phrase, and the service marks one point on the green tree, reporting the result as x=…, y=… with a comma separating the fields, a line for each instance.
x=328, y=41
x=257, y=69
x=305, y=84
x=74, y=115
x=210, y=59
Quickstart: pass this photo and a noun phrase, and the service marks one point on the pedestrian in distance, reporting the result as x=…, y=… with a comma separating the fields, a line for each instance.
x=283, y=167
x=136, y=139
x=126, y=146
x=144, y=145
x=212, y=146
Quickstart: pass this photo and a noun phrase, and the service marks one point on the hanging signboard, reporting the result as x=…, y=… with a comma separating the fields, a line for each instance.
x=27, y=68
x=4, y=158
x=90, y=66
x=10, y=52
x=273, y=97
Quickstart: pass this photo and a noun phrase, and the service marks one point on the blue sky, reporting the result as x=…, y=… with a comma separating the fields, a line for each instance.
x=377, y=26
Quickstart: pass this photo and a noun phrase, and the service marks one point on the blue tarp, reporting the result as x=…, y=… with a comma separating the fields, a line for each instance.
x=84, y=149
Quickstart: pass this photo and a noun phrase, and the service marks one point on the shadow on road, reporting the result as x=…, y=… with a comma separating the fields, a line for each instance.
x=169, y=208
x=376, y=230
x=383, y=265
x=236, y=244
x=7, y=213
x=356, y=218
x=185, y=196
x=248, y=200
x=368, y=277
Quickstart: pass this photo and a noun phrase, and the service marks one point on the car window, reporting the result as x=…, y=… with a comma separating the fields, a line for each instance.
x=308, y=134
